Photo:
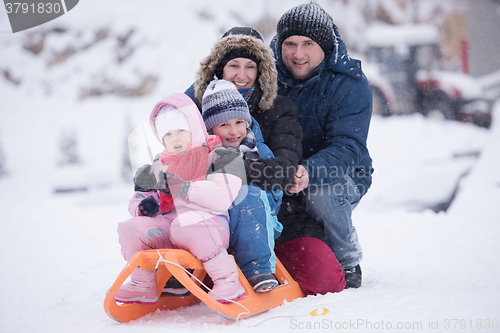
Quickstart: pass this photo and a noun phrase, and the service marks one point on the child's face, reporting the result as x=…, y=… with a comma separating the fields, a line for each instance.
x=177, y=141
x=232, y=132
x=241, y=72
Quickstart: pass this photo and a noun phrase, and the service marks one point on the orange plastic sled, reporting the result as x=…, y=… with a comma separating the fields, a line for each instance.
x=163, y=260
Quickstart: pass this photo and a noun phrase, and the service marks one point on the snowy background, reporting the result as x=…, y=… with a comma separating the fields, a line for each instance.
x=64, y=121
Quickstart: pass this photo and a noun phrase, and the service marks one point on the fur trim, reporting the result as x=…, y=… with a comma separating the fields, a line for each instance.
x=267, y=78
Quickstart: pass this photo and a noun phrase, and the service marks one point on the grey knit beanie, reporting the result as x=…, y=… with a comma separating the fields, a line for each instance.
x=222, y=102
x=308, y=20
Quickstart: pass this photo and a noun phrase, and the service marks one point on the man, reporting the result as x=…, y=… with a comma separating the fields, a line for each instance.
x=333, y=98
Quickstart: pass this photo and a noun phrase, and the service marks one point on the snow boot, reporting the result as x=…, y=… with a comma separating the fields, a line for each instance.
x=263, y=282
x=224, y=273
x=353, y=277
x=141, y=288
x=175, y=288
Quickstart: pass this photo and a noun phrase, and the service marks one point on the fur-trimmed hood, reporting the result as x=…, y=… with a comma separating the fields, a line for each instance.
x=266, y=79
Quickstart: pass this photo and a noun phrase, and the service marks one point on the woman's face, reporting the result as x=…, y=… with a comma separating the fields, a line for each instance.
x=242, y=72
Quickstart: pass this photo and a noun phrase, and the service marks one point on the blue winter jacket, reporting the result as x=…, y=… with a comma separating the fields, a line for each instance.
x=335, y=107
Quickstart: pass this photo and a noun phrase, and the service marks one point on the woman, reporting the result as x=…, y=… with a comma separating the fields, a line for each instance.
x=242, y=58
x=243, y=48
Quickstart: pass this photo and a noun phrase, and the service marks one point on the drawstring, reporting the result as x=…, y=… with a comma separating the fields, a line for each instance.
x=161, y=259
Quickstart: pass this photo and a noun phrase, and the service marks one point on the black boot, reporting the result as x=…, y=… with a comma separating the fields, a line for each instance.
x=175, y=288
x=353, y=277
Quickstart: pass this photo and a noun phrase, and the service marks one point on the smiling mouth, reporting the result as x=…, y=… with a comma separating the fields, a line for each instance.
x=235, y=139
x=300, y=63
x=241, y=84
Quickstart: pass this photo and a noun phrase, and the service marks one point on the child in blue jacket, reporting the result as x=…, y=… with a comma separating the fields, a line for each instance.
x=226, y=115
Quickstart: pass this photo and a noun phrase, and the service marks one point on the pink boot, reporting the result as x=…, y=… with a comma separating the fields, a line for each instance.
x=222, y=270
x=141, y=288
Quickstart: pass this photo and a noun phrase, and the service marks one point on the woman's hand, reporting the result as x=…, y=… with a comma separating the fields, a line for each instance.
x=300, y=181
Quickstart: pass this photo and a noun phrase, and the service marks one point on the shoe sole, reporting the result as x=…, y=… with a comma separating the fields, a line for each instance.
x=352, y=285
x=176, y=292
x=260, y=288
x=228, y=300
x=137, y=300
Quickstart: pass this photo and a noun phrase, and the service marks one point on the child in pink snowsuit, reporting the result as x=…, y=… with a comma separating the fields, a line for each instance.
x=180, y=206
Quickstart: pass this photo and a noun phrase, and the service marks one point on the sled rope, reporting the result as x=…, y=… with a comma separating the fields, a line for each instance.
x=161, y=259
x=271, y=318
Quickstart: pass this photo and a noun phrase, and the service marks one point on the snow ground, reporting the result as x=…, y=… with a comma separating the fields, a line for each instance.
x=60, y=251
x=423, y=271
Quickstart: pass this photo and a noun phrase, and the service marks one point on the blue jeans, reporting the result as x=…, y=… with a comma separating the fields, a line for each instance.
x=253, y=229
x=332, y=205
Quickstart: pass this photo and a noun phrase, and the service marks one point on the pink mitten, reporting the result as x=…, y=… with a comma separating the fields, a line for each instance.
x=214, y=141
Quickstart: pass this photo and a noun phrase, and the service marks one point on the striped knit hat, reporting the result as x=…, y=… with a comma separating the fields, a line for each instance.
x=222, y=102
x=309, y=20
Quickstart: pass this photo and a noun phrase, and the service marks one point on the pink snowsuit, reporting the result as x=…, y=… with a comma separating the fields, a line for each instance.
x=199, y=225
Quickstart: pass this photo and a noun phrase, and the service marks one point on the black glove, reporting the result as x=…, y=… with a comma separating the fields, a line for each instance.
x=230, y=161
x=251, y=155
x=177, y=185
x=149, y=207
x=162, y=184
x=144, y=181
x=226, y=156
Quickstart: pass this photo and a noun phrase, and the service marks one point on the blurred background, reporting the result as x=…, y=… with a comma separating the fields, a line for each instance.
x=73, y=89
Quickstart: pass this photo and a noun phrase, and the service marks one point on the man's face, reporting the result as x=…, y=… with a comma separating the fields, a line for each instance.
x=301, y=55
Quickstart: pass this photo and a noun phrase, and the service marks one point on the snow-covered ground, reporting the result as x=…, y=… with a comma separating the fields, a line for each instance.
x=423, y=271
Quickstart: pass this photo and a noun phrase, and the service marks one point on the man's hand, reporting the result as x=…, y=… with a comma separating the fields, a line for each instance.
x=300, y=181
